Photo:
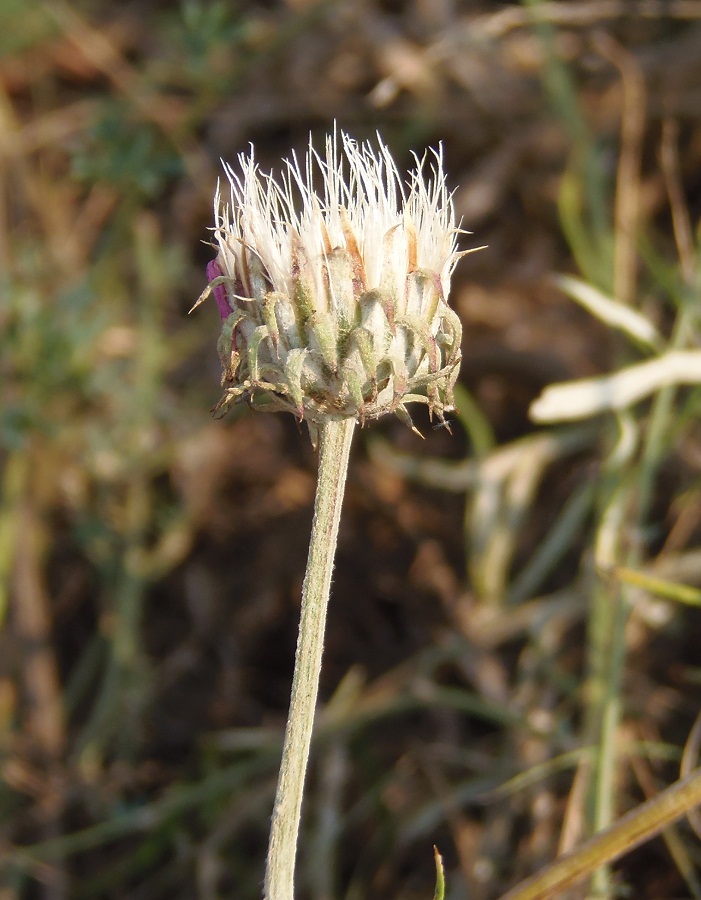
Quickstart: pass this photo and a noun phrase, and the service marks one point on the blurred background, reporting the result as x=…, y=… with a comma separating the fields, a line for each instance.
x=510, y=661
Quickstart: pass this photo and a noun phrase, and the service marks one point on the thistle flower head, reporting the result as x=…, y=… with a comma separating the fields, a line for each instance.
x=332, y=281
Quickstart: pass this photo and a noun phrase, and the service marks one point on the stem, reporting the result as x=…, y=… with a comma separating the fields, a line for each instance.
x=608, y=646
x=334, y=448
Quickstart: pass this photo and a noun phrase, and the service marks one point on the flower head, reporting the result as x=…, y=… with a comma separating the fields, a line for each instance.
x=332, y=283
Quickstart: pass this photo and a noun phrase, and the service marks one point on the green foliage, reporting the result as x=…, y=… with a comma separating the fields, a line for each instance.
x=207, y=27
x=127, y=153
x=49, y=356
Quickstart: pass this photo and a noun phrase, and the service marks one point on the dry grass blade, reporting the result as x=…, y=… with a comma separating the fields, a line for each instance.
x=635, y=828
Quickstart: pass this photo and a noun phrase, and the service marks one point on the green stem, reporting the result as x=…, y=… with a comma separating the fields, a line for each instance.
x=334, y=449
x=610, y=610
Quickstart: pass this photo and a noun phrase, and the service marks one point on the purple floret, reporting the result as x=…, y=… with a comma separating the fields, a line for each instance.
x=214, y=271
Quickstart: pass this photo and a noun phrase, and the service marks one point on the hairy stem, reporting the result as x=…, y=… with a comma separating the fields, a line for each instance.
x=334, y=448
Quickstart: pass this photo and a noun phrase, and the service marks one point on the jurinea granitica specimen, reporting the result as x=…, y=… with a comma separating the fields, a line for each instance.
x=331, y=282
